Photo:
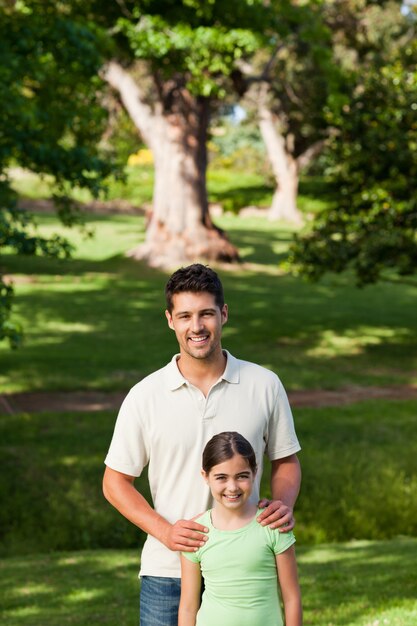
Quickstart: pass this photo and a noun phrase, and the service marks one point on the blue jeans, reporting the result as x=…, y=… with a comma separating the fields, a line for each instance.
x=159, y=601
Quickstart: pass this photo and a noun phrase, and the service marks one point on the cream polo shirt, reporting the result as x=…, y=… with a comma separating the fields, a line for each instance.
x=165, y=422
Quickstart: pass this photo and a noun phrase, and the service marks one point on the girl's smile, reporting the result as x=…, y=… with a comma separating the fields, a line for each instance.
x=231, y=483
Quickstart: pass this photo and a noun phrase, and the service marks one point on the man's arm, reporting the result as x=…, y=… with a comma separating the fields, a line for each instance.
x=119, y=490
x=285, y=487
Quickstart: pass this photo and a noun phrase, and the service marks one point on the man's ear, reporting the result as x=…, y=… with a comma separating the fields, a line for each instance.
x=225, y=313
x=169, y=319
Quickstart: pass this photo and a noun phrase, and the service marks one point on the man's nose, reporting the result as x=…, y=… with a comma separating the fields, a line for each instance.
x=196, y=324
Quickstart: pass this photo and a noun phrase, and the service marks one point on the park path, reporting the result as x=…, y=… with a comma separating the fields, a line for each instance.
x=85, y=401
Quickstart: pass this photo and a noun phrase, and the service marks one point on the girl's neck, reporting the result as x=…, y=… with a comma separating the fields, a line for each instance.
x=223, y=519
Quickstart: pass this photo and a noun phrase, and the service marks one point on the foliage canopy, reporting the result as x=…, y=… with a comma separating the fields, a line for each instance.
x=50, y=122
x=373, y=156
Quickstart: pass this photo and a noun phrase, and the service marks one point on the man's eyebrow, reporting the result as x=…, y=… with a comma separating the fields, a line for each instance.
x=208, y=310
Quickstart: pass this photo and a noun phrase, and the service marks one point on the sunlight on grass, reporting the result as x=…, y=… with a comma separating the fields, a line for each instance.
x=82, y=595
x=107, y=238
x=404, y=616
x=69, y=327
x=20, y=613
x=330, y=344
x=33, y=588
x=357, y=584
x=69, y=461
x=65, y=284
x=347, y=584
x=328, y=334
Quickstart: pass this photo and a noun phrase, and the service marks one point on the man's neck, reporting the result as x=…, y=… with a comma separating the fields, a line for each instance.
x=202, y=373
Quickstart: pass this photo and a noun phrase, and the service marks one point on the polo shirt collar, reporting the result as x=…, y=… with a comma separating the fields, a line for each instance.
x=175, y=379
x=231, y=373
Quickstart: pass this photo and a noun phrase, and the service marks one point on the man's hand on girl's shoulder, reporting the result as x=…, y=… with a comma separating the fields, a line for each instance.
x=185, y=536
x=276, y=514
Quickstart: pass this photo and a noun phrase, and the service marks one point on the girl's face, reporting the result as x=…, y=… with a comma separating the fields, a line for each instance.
x=231, y=482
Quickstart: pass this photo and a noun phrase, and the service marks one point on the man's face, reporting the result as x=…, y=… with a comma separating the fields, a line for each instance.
x=197, y=322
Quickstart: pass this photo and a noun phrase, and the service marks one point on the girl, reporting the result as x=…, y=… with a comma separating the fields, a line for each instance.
x=242, y=562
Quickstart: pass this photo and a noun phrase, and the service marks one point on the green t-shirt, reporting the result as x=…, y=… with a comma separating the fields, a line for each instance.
x=240, y=575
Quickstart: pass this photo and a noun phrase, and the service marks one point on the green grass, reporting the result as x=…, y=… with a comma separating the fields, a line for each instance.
x=233, y=189
x=97, y=320
x=359, y=478
x=348, y=584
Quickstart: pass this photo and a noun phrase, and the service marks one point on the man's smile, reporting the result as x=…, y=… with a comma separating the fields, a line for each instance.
x=198, y=339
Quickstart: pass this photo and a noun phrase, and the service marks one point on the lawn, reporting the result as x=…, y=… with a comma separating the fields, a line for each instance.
x=359, y=478
x=96, y=321
x=233, y=189
x=360, y=583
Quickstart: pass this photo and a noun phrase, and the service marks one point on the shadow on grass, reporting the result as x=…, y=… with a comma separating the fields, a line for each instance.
x=73, y=588
x=260, y=247
x=357, y=583
x=239, y=197
x=349, y=584
x=100, y=324
x=59, y=504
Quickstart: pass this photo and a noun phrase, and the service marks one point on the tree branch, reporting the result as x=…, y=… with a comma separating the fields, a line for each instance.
x=308, y=155
x=140, y=112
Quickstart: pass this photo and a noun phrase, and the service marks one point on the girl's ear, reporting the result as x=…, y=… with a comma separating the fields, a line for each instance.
x=204, y=475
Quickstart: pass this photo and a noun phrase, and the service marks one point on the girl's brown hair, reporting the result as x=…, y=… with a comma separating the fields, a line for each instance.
x=224, y=446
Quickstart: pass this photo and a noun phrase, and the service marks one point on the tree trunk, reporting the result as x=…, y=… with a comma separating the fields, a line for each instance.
x=180, y=229
x=284, y=167
x=284, y=200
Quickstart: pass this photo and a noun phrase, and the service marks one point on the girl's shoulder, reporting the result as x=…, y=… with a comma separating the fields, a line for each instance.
x=203, y=518
x=277, y=540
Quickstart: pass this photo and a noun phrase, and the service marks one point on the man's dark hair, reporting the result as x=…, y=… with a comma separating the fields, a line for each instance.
x=195, y=278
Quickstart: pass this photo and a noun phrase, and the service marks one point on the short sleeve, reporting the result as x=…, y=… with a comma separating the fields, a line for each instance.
x=282, y=439
x=281, y=541
x=195, y=557
x=128, y=452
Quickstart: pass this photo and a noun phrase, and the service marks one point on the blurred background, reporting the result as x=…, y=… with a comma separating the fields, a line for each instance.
x=275, y=141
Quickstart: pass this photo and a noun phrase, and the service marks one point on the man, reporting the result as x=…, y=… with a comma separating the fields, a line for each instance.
x=165, y=422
